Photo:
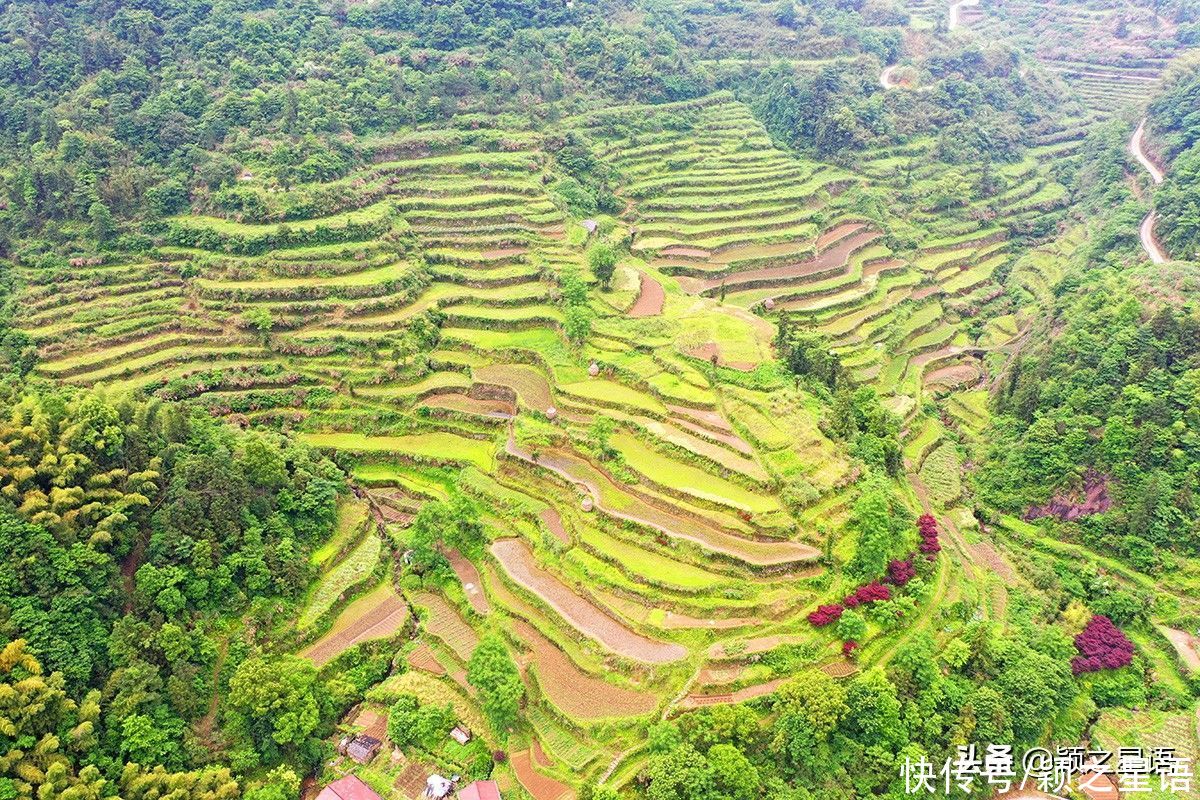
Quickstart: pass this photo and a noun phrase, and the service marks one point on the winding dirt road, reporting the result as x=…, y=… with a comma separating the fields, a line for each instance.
x=1146, y=231
x=1137, y=149
x=885, y=78
x=1150, y=241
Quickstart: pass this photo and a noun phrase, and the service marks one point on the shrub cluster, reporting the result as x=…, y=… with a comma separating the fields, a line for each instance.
x=1101, y=645
x=928, y=528
x=867, y=593
x=826, y=615
x=899, y=573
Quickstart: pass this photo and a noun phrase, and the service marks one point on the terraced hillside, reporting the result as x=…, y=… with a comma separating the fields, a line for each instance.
x=666, y=562
x=639, y=398
x=900, y=296
x=658, y=497
x=1112, y=55
x=424, y=329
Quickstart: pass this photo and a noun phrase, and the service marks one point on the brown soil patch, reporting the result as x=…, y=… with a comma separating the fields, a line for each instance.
x=731, y=439
x=390, y=514
x=719, y=676
x=929, y=356
x=517, y=560
x=926, y=291
x=987, y=555
x=573, y=691
x=957, y=375
x=422, y=659
x=539, y=755
x=469, y=405
x=673, y=620
x=740, y=696
x=876, y=267
x=469, y=577
x=1185, y=645
x=445, y=623
x=837, y=234
x=539, y=786
x=411, y=780
x=828, y=260
x=372, y=722
x=650, y=299
x=377, y=622
x=839, y=669
x=747, y=647
x=553, y=521
x=709, y=419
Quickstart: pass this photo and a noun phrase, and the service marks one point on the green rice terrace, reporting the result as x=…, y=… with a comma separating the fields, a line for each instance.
x=653, y=404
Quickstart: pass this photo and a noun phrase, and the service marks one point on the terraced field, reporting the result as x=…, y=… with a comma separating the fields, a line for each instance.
x=421, y=337
x=378, y=614
x=423, y=331
x=1111, y=54
x=898, y=318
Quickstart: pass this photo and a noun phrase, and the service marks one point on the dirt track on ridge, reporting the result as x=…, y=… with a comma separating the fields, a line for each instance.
x=1146, y=232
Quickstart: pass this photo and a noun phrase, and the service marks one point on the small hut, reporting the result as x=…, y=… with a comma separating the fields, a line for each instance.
x=363, y=748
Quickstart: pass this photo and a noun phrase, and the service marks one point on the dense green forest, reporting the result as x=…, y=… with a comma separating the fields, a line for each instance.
x=1113, y=393
x=143, y=111
x=1175, y=113
x=140, y=534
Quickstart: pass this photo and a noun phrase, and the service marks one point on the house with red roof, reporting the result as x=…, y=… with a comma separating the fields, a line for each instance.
x=480, y=790
x=348, y=788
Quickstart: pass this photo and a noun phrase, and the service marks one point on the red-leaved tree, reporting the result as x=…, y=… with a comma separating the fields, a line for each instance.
x=901, y=572
x=868, y=593
x=826, y=615
x=927, y=527
x=1101, y=645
